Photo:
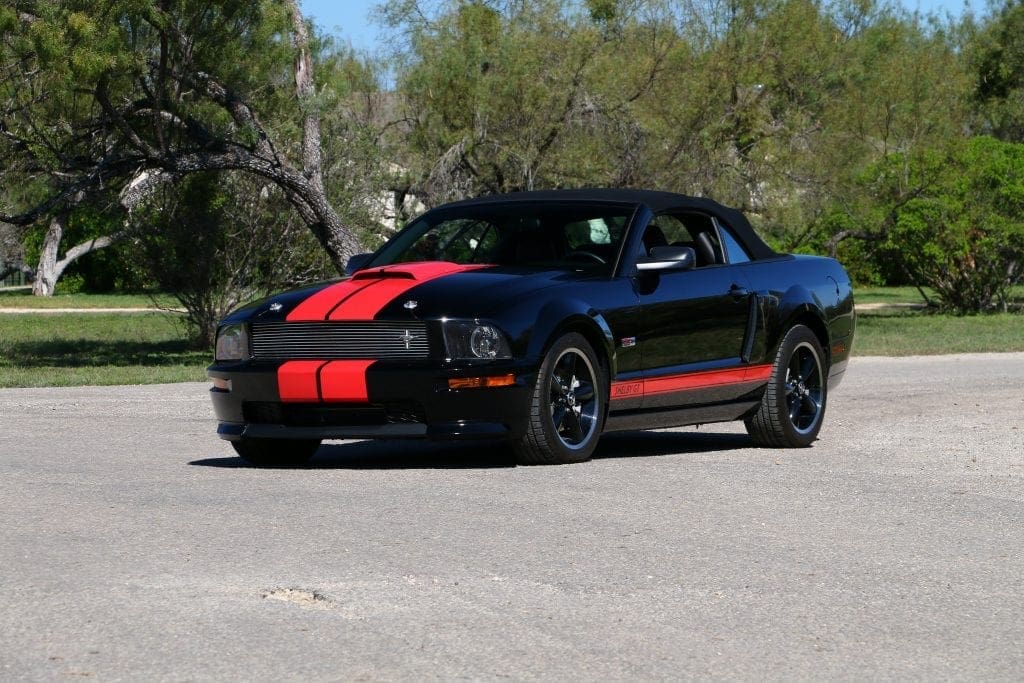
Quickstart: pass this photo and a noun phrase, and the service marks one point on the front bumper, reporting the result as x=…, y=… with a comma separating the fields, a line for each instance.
x=404, y=402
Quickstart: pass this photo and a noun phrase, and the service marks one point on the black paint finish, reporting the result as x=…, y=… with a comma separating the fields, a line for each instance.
x=642, y=325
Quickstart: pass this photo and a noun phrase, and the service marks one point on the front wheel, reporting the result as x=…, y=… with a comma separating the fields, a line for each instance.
x=793, y=404
x=567, y=405
x=276, y=452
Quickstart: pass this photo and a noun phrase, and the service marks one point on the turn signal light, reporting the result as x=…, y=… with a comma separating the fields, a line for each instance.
x=221, y=384
x=481, y=382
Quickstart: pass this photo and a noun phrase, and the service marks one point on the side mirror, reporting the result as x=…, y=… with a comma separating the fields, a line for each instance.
x=668, y=258
x=356, y=263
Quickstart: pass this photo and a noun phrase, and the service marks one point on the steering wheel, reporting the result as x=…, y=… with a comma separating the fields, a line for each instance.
x=583, y=255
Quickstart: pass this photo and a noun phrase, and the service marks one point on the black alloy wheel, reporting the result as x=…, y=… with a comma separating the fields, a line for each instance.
x=567, y=406
x=793, y=405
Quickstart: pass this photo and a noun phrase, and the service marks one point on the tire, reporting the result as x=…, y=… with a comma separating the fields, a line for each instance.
x=567, y=406
x=793, y=405
x=276, y=452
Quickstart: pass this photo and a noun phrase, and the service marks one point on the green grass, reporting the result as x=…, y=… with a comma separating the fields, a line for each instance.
x=96, y=348
x=903, y=332
x=900, y=331
x=888, y=295
x=147, y=348
x=23, y=299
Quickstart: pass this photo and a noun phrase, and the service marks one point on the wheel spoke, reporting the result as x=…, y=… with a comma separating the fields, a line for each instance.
x=566, y=367
x=573, y=428
x=793, y=373
x=794, y=407
x=807, y=366
x=558, y=413
x=810, y=406
x=585, y=392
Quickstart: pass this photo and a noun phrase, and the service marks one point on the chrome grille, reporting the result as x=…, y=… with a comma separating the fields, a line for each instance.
x=326, y=340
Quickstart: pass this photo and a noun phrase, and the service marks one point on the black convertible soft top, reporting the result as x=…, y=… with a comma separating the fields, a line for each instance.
x=658, y=202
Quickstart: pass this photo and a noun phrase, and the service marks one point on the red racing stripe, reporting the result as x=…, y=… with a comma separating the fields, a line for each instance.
x=758, y=373
x=689, y=381
x=362, y=296
x=297, y=381
x=344, y=380
x=319, y=305
x=392, y=282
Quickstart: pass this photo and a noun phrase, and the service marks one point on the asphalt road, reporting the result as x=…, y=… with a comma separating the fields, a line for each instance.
x=135, y=546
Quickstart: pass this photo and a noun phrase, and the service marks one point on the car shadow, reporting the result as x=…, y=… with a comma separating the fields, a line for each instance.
x=642, y=444
x=402, y=455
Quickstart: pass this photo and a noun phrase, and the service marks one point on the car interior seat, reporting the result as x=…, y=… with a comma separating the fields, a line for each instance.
x=654, y=236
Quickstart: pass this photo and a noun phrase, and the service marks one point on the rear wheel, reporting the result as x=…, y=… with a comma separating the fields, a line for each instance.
x=793, y=404
x=276, y=452
x=567, y=406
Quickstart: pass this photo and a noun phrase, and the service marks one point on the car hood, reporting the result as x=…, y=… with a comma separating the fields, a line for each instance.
x=413, y=290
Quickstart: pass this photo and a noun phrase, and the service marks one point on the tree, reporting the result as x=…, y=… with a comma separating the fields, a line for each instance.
x=511, y=96
x=215, y=241
x=132, y=94
x=964, y=236
x=997, y=58
x=951, y=219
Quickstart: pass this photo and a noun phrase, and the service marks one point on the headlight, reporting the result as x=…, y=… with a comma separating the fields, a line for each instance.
x=232, y=343
x=474, y=340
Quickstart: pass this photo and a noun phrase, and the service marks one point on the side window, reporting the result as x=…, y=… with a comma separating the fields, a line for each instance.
x=694, y=230
x=735, y=251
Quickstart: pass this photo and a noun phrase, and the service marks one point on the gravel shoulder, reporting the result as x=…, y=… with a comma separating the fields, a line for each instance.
x=138, y=547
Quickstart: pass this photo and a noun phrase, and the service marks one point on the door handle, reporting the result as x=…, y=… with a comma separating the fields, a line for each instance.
x=738, y=292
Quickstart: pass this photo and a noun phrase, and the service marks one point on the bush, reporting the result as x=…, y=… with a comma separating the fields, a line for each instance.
x=964, y=236
x=215, y=242
x=951, y=220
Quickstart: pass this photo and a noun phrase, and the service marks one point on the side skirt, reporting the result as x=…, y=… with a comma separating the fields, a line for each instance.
x=628, y=420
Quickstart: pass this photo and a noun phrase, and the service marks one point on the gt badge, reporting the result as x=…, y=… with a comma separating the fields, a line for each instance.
x=410, y=305
x=276, y=306
x=627, y=342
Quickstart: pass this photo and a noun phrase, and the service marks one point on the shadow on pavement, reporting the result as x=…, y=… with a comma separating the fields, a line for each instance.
x=400, y=455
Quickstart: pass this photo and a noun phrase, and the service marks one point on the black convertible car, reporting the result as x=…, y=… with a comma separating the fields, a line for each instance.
x=542, y=319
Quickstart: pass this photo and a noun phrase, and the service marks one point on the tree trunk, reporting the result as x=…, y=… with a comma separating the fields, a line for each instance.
x=323, y=220
x=47, y=272
x=50, y=269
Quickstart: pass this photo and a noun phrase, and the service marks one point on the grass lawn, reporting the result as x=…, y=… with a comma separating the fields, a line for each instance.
x=147, y=348
x=23, y=299
x=907, y=332
x=96, y=348
x=904, y=332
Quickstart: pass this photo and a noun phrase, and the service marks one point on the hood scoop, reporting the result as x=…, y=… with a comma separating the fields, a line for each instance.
x=381, y=274
x=420, y=271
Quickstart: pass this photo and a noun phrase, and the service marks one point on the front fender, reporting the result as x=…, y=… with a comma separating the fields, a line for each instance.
x=562, y=315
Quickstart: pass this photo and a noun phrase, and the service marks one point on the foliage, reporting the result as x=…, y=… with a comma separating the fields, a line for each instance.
x=136, y=93
x=998, y=62
x=721, y=99
x=964, y=236
x=215, y=242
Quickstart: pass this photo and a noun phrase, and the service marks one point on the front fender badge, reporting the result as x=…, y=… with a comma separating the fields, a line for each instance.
x=410, y=305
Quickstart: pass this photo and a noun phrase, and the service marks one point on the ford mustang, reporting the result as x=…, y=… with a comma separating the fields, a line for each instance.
x=542, y=319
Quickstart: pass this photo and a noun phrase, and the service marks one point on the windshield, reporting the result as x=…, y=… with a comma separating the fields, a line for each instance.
x=566, y=235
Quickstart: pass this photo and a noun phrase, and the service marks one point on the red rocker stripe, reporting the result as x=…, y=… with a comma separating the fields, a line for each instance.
x=689, y=381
